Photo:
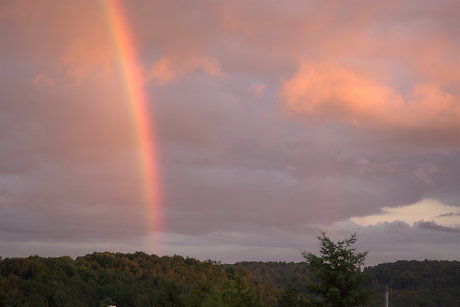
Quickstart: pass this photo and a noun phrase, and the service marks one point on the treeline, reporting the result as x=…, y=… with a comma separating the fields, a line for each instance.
x=419, y=283
x=102, y=279
x=411, y=283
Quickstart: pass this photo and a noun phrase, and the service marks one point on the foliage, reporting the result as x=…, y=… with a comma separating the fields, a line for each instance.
x=138, y=279
x=280, y=274
x=412, y=283
x=338, y=273
x=292, y=298
x=417, y=283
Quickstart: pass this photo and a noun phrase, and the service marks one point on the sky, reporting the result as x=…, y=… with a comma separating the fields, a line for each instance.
x=267, y=122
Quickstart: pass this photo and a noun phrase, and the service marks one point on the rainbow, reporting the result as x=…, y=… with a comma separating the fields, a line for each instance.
x=131, y=74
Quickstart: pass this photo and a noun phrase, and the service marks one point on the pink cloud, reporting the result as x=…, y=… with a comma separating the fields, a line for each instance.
x=257, y=89
x=338, y=93
x=167, y=69
x=43, y=80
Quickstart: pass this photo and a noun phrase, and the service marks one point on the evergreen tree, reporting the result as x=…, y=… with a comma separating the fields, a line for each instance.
x=339, y=280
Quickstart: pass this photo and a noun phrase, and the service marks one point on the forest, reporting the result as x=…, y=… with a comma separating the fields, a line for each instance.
x=139, y=279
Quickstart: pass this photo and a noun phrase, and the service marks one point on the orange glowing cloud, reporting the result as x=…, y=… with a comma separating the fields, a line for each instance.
x=87, y=53
x=336, y=92
x=167, y=69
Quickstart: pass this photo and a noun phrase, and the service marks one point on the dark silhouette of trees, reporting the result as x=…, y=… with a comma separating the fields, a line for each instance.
x=339, y=279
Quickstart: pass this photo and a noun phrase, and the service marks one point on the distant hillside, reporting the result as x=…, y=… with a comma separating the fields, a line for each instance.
x=102, y=279
x=279, y=274
x=419, y=283
x=412, y=283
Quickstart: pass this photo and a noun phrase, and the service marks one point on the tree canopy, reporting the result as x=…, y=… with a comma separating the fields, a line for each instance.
x=102, y=279
x=339, y=279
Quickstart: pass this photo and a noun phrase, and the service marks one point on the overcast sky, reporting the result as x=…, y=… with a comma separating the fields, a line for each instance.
x=273, y=120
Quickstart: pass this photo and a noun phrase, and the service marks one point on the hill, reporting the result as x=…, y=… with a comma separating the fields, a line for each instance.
x=412, y=283
x=102, y=279
x=138, y=279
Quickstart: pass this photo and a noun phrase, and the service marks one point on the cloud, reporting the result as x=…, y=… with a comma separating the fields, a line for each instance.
x=335, y=92
x=434, y=226
x=91, y=51
x=426, y=211
x=449, y=214
x=43, y=79
x=424, y=173
x=166, y=70
x=371, y=94
x=257, y=89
